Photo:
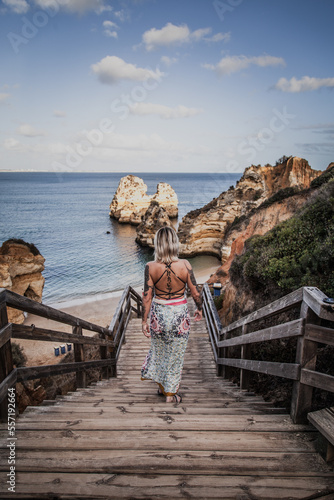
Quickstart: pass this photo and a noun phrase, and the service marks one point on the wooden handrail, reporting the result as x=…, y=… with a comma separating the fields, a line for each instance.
x=304, y=329
x=110, y=340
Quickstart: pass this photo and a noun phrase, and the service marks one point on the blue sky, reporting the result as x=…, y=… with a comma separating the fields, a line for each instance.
x=169, y=85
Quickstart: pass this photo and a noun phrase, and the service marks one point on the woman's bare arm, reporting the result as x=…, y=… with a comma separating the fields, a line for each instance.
x=193, y=287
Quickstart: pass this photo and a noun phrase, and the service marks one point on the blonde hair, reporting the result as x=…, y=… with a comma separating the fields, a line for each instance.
x=166, y=245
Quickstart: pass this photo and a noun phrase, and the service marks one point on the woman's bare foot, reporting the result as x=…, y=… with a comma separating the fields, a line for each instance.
x=177, y=398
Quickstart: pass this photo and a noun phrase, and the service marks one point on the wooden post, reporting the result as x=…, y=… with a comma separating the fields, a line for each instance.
x=245, y=375
x=6, y=359
x=306, y=357
x=220, y=353
x=104, y=355
x=79, y=355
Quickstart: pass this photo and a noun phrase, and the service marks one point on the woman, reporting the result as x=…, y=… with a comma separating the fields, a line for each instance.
x=164, y=298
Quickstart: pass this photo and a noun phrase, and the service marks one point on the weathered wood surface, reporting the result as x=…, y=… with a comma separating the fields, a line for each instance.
x=278, y=305
x=34, y=333
x=323, y=420
x=316, y=379
x=319, y=334
x=28, y=305
x=285, y=330
x=119, y=439
x=287, y=370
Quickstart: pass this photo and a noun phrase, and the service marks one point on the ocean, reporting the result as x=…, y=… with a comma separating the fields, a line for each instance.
x=66, y=216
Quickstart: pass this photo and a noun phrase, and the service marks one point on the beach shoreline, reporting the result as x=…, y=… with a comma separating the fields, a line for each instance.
x=98, y=309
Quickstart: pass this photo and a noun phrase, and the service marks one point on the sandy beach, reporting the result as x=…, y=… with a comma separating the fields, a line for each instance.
x=96, y=309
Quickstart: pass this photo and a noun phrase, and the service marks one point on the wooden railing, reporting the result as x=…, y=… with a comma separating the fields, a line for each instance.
x=306, y=329
x=110, y=340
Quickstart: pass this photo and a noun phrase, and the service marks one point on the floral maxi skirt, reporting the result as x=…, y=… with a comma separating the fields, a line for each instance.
x=169, y=328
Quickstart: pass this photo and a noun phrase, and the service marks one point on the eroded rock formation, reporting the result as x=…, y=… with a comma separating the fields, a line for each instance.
x=238, y=299
x=202, y=231
x=130, y=201
x=21, y=266
x=155, y=217
x=257, y=223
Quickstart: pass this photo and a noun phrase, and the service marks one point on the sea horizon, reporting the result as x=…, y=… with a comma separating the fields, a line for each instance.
x=67, y=218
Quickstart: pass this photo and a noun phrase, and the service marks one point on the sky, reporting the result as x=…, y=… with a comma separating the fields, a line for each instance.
x=165, y=85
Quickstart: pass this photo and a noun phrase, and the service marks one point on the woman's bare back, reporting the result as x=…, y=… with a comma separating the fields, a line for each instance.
x=169, y=280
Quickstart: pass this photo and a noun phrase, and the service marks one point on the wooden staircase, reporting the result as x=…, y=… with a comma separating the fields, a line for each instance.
x=119, y=439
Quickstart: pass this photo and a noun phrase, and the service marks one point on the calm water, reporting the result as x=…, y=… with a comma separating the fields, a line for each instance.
x=67, y=218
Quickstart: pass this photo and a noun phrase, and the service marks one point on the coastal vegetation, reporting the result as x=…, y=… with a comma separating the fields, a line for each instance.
x=297, y=252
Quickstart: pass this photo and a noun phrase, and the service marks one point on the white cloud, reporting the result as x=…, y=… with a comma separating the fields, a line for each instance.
x=4, y=97
x=306, y=83
x=17, y=6
x=168, y=61
x=109, y=24
x=218, y=37
x=232, y=64
x=29, y=131
x=111, y=69
x=177, y=35
x=110, y=34
x=59, y=114
x=200, y=33
x=76, y=6
x=166, y=112
x=110, y=28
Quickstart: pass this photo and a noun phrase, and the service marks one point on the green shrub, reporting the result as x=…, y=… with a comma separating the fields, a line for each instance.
x=282, y=194
x=298, y=252
x=218, y=301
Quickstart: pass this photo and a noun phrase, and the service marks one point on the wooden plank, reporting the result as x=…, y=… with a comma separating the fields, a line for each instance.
x=319, y=334
x=34, y=333
x=114, y=409
x=108, y=485
x=32, y=372
x=285, y=330
x=25, y=304
x=70, y=436
x=125, y=421
x=5, y=334
x=313, y=297
x=211, y=308
x=211, y=333
x=279, y=305
x=323, y=420
x=316, y=379
x=172, y=462
x=285, y=370
x=8, y=382
x=79, y=357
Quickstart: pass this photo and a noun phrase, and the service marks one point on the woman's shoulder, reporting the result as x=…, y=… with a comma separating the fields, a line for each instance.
x=185, y=262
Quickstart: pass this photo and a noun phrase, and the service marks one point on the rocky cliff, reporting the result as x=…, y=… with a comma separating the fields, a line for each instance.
x=130, y=201
x=155, y=217
x=21, y=266
x=202, y=231
x=293, y=216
